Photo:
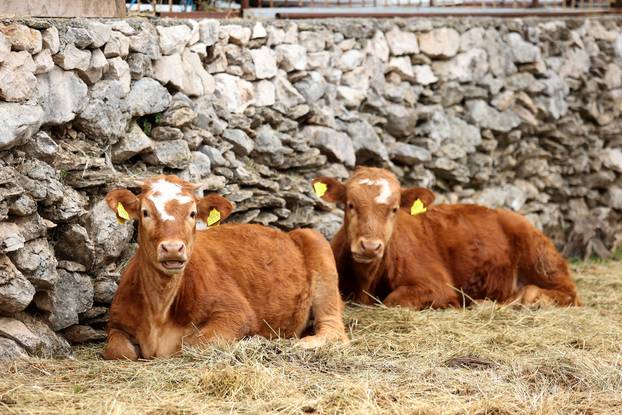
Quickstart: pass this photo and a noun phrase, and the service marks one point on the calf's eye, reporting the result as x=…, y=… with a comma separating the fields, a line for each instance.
x=145, y=213
x=193, y=215
x=350, y=206
x=394, y=210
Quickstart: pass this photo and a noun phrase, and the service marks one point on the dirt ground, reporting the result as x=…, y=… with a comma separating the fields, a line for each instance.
x=485, y=359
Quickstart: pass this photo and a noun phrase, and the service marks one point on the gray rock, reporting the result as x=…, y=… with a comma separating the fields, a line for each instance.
x=366, y=143
x=73, y=58
x=140, y=66
x=178, y=117
x=146, y=42
x=109, y=237
x=174, y=154
x=106, y=115
x=23, y=38
x=15, y=290
x=71, y=206
x=486, y=116
x=5, y=48
x=333, y=143
x=214, y=155
x=522, y=51
x=72, y=294
x=311, y=87
x=242, y=145
x=79, y=37
x=104, y=289
x=401, y=121
x=51, y=344
x=500, y=56
x=199, y=168
x=119, y=70
x=75, y=244
x=379, y=47
x=24, y=205
x=444, y=129
x=11, y=350
x=147, y=96
x=18, y=123
x=161, y=133
x=287, y=96
x=37, y=262
x=62, y=95
x=17, y=331
x=79, y=334
x=469, y=66
x=135, y=141
x=408, y=154
x=615, y=197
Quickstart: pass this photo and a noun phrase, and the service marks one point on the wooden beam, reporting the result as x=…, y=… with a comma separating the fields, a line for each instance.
x=63, y=8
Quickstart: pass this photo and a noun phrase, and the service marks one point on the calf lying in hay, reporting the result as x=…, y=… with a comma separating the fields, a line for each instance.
x=226, y=282
x=394, y=246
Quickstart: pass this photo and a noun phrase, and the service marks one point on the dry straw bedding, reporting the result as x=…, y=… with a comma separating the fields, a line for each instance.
x=484, y=359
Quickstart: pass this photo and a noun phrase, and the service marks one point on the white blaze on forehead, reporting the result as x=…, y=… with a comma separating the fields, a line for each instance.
x=162, y=192
x=385, y=189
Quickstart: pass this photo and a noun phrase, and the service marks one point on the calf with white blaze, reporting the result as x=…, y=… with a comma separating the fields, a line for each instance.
x=397, y=248
x=189, y=286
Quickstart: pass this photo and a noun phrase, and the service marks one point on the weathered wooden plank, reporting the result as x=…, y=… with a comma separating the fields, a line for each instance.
x=63, y=8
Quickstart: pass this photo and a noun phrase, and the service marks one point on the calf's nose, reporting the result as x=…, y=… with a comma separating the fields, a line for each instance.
x=171, y=248
x=370, y=245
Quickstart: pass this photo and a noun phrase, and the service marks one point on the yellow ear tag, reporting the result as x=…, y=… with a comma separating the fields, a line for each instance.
x=320, y=188
x=213, y=218
x=122, y=215
x=417, y=208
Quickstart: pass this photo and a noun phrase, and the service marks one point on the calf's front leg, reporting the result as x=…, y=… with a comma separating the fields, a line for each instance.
x=226, y=327
x=119, y=346
x=422, y=297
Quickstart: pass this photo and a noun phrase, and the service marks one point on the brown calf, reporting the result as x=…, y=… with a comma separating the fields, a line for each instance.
x=396, y=247
x=226, y=282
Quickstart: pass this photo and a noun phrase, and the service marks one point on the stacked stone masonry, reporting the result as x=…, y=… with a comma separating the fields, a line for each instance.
x=520, y=114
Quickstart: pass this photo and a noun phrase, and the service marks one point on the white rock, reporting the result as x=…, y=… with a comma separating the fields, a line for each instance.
x=352, y=97
x=237, y=93
x=51, y=39
x=173, y=39
x=291, y=57
x=613, y=76
x=377, y=46
x=402, y=43
x=264, y=60
x=73, y=58
x=169, y=69
x=522, y=51
x=264, y=93
x=195, y=35
x=17, y=81
x=118, y=45
x=23, y=37
x=259, y=31
x=468, y=66
x=100, y=32
x=442, y=42
x=275, y=36
x=135, y=141
x=200, y=49
x=402, y=66
x=147, y=96
x=208, y=31
x=97, y=66
x=119, y=70
x=18, y=123
x=318, y=60
x=472, y=38
x=5, y=48
x=350, y=60
x=123, y=27
x=43, y=61
x=197, y=81
x=237, y=34
x=62, y=95
x=424, y=75
x=287, y=96
x=613, y=159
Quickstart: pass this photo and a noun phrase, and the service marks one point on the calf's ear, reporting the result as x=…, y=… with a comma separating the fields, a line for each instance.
x=213, y=208
x=329, y=189
x=411, y=195
x=124, y=204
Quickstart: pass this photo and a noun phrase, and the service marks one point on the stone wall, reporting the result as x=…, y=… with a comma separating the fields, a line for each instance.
x=523, y=114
